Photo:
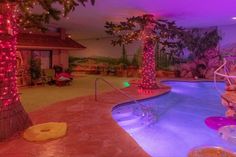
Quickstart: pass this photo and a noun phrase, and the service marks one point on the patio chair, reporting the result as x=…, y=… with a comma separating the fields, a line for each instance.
x=48, y=76
x=63, y=79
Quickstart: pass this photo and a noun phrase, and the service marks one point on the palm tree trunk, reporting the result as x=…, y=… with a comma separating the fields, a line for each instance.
x=148, y=61
x=148, y=67
x=13, y=118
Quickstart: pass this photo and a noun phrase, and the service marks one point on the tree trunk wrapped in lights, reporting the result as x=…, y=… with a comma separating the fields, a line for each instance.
x=150, y=31
x=148, y=66
x=13, y=117
x=148, y=59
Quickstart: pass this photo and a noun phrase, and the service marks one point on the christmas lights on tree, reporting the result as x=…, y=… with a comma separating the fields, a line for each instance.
x=13, y=117
x=150, y=31
x=15, y=15
x=148, y=81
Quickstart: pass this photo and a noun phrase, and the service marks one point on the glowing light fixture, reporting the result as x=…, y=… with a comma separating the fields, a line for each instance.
x=126, y=84
x=234, y=18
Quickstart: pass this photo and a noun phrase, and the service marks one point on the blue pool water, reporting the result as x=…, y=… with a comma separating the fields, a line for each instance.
x=172, y=124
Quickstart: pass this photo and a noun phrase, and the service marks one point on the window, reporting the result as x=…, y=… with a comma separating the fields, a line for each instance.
x=45, y=58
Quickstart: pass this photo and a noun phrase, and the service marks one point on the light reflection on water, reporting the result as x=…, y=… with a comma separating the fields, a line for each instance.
x=175, y=121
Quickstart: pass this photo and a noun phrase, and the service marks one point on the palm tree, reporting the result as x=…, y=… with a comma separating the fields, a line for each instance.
x=16, y=14
x=150, y=31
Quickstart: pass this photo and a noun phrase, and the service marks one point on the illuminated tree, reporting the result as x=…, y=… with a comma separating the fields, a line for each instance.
x=150, y=31
x=14, y=15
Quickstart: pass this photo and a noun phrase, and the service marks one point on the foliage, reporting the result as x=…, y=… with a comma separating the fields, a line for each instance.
x=107, y=60
x=99, y=59
x=58, y=69
x=164, y=32
x=134, y=61
x=164, y=59
x=199, y=41
x=35, y=69
x=124, y=58
x=139, y=55
x=29, y=18
x=73, y=62
x=170, y=39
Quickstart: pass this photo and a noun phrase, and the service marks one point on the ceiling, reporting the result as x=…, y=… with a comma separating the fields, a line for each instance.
x=88, y=22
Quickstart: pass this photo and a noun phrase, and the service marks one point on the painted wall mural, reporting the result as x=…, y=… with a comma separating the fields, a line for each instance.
x=169, y=65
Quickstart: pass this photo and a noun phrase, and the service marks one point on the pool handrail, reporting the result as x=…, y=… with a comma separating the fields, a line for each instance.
x=226, y=75
x=225, y=69
x=119, y=90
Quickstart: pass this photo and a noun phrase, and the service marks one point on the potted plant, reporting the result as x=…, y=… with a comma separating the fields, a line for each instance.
x=35, y=71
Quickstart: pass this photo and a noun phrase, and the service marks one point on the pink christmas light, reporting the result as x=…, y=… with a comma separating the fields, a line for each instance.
x=148, y=61
x=8, y=33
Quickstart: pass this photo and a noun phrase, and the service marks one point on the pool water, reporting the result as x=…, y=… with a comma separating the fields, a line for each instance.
x=172, y=124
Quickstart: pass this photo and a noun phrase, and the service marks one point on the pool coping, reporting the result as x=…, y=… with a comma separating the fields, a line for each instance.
x=162, y=81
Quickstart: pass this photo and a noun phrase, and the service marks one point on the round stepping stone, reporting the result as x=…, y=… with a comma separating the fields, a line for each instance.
x=228, y=133
x=218, y=122
x=45, y=131
x=210, y=152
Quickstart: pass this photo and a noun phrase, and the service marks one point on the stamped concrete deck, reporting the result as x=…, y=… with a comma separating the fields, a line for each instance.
x=91, y=130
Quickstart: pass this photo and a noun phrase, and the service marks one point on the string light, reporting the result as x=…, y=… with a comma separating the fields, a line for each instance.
x=148, y=61
x=141, y=28
x=14, y=118
x=8, y=30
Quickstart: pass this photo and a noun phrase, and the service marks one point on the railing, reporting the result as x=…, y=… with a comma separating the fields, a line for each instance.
x=145, y=110
x=122, y=92
x=226, y=74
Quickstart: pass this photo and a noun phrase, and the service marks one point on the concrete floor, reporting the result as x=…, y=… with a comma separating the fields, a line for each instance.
x=36, y=97
x=92, y=132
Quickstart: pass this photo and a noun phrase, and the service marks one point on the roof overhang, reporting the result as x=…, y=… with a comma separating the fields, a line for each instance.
x=46, y=48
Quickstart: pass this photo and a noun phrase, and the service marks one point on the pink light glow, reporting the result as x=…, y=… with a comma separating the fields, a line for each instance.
x=8, y=56
x=144, y=91
x=148, y=62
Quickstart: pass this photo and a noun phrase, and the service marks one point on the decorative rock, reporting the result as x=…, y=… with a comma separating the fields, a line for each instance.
x=228, y=99
x=211, y=61
x=189, y=75
x=159, y=73
x=209, y=72
x=230, y=113
x=183, y=73
x=228, y=133
x=231, y=87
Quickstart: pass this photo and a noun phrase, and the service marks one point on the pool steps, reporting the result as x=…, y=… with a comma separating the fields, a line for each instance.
x=130, y=122
x=124, y=121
